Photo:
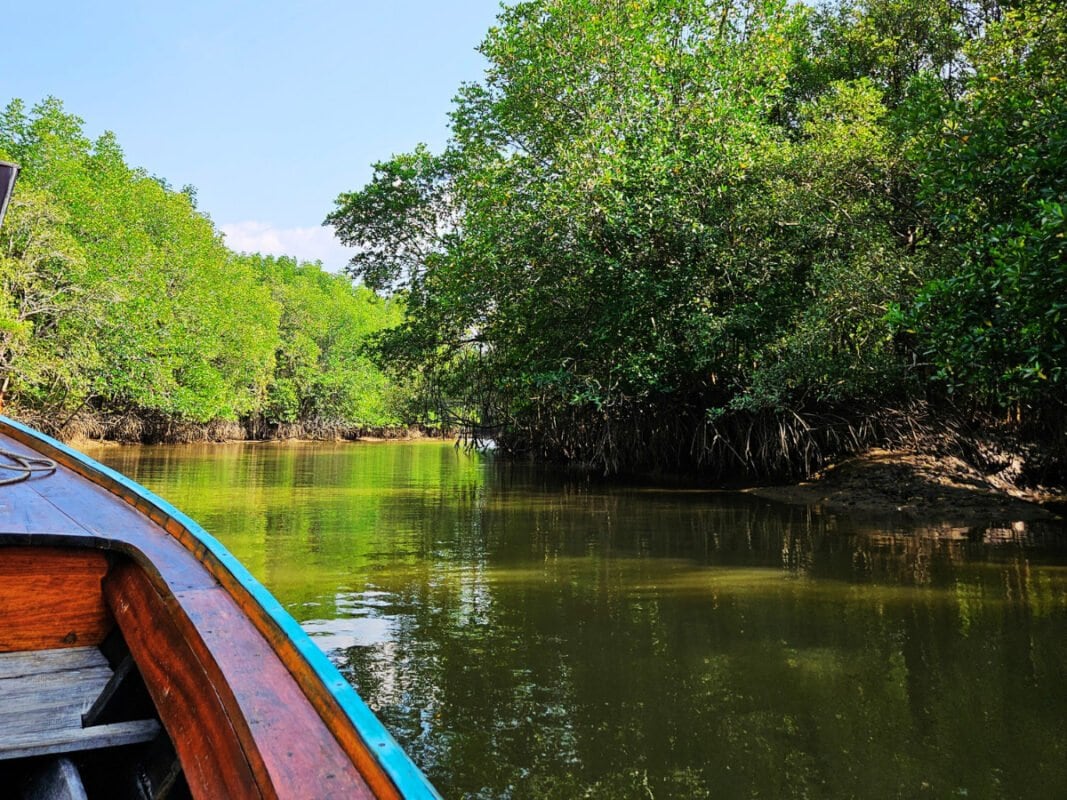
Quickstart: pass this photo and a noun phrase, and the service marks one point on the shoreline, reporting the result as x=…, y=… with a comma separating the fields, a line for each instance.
x=79, y=441
x=913, y=486
x=903, y=484
x=109, y=430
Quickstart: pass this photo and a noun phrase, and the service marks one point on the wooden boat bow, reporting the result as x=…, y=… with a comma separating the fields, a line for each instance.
x=252, y=706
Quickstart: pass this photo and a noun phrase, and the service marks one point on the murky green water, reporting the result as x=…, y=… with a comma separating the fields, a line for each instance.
x=528, y=636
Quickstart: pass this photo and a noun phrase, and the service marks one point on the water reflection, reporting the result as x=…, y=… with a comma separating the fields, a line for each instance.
x=527, y=635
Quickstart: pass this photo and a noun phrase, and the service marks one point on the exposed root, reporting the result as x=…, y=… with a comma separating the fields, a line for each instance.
x=914, y=486
x=773, y=446
x=134, y=428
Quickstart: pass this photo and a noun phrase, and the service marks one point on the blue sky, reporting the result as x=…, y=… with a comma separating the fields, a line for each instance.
x=270, y=109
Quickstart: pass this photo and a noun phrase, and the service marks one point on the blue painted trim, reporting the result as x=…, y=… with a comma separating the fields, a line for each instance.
x=407, y=777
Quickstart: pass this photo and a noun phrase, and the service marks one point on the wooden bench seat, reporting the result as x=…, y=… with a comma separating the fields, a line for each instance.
x=43, y=695
x=250, y=706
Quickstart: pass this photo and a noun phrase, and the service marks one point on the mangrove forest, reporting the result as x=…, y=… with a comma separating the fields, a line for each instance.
x=123, y=314
x=730, y=237
x=738, y=237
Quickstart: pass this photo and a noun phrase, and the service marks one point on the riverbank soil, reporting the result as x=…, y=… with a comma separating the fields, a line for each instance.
x=92, y=429
x=917, y=486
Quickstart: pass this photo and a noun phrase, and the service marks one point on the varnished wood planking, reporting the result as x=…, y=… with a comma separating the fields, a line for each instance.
x=96, y=509
x=287, y=744
x=80, y=479
x=173, y=560
x=326, y=706
x=188, y=702
x=278, y=708
x=122, y=528
x=293, y=741
x=319, y=695
x=51, y=598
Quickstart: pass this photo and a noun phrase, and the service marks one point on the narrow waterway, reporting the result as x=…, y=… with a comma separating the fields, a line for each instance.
x=528, y=635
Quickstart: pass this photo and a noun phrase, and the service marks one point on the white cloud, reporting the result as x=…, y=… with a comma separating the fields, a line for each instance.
x=305, y=244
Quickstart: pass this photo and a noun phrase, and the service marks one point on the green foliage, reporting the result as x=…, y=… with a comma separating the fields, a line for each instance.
x=45, y=341
x=995, y=180
x=888, y=42
x=654, y=208
x=396, y=221
x=118, y=296
x=322, y=371
x=655, y=221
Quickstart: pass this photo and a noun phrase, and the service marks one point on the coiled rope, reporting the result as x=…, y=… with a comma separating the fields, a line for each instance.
x=25, y=466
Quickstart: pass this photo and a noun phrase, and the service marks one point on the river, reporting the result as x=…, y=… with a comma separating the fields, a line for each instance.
x=529, y=634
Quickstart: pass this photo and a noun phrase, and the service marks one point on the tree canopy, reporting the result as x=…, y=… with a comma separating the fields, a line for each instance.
x=118, y=297
x=658, y=220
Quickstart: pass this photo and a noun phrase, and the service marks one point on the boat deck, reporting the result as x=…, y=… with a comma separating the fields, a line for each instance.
x=231, y=690
x=44, y=695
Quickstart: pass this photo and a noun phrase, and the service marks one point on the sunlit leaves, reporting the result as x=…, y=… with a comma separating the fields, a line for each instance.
x=118, y=296
x=995, y=178
x=669, y=207
x=322, y=372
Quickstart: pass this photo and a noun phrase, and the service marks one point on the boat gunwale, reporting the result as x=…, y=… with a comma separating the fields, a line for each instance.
x=274, y=621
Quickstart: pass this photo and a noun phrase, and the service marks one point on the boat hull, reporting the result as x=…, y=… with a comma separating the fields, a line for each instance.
x=253, y=708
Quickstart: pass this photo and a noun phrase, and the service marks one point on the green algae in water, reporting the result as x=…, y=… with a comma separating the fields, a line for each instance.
x=524, y=635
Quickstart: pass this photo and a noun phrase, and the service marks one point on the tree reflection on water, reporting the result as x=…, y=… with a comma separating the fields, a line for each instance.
x=524, y=634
